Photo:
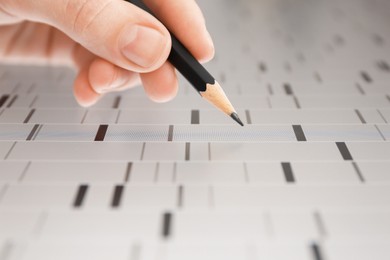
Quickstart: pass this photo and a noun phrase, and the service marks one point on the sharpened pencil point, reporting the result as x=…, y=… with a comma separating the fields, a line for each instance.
x=236, y=118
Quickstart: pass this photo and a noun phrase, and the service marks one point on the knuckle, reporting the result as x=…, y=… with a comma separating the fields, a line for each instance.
x=84, y=13
x=9, y=7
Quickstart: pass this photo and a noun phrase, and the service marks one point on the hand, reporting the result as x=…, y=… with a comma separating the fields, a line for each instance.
x=112, y=43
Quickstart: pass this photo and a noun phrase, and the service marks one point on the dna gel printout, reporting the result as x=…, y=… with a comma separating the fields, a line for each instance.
x=307, y=177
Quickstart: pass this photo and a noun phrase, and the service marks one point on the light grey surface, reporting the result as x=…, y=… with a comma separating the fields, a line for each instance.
x=248, y=193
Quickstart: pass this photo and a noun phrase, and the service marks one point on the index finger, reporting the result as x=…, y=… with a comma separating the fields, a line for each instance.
x=185, y=20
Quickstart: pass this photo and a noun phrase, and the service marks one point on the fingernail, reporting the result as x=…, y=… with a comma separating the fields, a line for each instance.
x=142, y=45
x=209, y=40
x=210, y=47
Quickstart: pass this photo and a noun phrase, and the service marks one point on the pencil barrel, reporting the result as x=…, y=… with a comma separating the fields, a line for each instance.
x=183, y=60
x=188, y=66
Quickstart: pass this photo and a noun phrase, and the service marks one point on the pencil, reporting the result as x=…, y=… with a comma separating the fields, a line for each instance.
x=196, y=74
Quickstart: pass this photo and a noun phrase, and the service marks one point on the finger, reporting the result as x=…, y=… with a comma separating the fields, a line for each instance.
x=82, y=88
x=106, y=77
x=112, y=29
x=161, y=85
x=8, y=33
x=97, y=77
x=82, y=58
x=7, y=18
x=186, y=21
x=83, y=91
x=27, y=43
x=60, y=48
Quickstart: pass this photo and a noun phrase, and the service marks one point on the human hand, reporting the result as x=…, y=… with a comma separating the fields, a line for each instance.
x=112, y=43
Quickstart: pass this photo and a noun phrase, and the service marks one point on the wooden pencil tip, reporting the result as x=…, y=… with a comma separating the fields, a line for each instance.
x=235, y=117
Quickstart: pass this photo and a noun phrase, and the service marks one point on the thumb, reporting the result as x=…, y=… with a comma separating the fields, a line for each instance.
x=112, y=29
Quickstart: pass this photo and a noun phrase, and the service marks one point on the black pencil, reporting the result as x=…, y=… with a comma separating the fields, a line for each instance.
x=196, y=74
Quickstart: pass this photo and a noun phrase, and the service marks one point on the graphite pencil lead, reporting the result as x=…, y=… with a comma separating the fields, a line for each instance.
x=235, y=117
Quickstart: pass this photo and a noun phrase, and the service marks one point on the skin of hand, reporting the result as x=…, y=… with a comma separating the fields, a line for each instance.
x=113, y=44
